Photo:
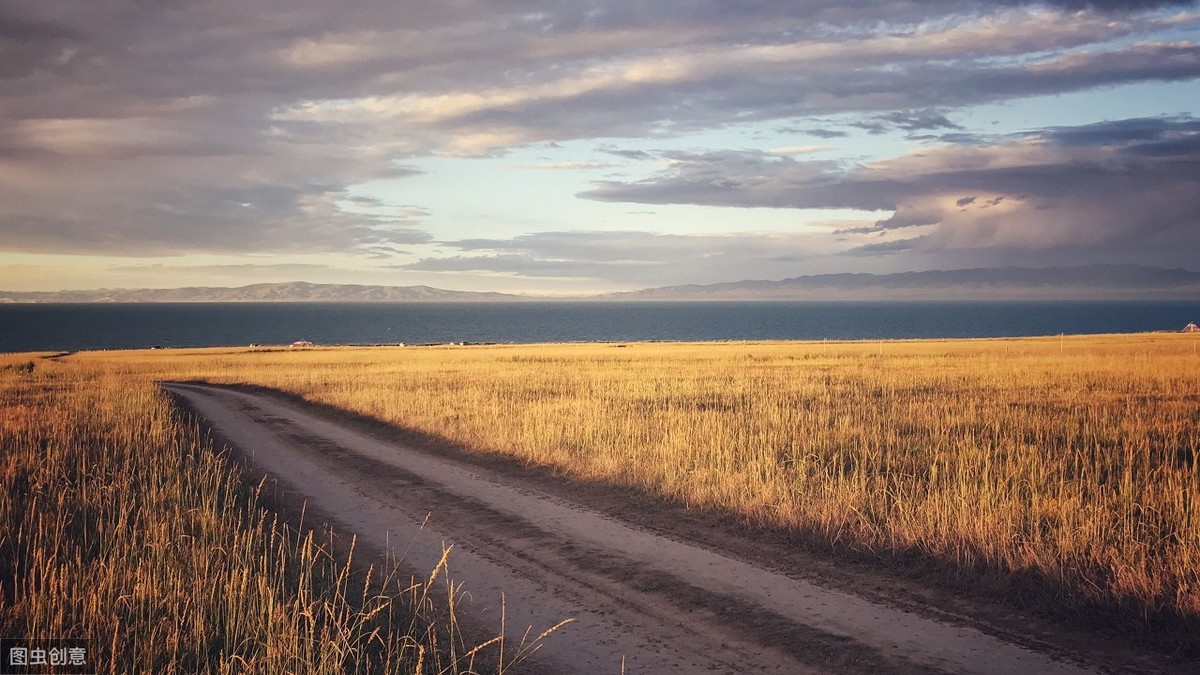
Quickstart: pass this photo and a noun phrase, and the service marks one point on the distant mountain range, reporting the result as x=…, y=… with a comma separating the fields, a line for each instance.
x=292, y=291
x=1089, y=282
x=1098, y=282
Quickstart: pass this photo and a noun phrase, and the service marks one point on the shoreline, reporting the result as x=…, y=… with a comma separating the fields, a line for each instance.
x=283, y=347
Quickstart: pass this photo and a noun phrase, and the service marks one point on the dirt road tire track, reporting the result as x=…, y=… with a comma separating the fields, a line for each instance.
x=665, y=605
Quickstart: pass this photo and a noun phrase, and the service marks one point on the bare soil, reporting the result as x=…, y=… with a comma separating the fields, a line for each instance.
x=652, y=587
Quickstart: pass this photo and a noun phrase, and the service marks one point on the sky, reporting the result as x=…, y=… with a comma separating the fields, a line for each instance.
x=573, y=147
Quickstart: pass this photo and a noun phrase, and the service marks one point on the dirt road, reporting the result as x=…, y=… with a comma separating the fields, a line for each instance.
x=665, y=606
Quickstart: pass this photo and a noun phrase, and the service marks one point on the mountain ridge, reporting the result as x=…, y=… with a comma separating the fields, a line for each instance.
x=288, y=291
x=1099, y=282
x=1081, y=282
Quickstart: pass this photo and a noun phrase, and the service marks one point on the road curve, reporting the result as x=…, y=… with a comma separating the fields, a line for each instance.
x=640, y=600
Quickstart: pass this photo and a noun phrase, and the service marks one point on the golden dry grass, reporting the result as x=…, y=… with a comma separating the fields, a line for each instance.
x=1070, y=462
x=120, y=525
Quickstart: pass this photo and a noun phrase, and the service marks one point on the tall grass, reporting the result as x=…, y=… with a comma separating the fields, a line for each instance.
x=120, y=525
x=1072, y=463
x=1069, y=466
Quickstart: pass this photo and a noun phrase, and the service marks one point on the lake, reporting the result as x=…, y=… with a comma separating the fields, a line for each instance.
x=124, y=326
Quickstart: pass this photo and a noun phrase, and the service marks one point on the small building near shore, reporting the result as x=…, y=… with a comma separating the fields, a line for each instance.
x=1191, y=328
x=301, y=343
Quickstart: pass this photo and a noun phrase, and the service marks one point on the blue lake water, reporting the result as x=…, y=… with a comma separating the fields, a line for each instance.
x=121, y=326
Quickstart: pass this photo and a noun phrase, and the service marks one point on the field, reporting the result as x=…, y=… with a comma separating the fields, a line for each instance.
x=121, y=526
x=1064, y=472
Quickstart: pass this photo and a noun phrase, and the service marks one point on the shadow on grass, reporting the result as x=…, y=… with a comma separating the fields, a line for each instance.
x=1022, y=606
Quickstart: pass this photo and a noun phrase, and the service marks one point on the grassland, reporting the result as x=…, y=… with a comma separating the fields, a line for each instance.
x=120, y=525
x=1062, y=471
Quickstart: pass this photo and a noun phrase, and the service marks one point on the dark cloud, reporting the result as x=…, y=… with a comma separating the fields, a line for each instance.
x=625, y=154
x=1108, y=188
x=907, y=120
x=821, y=132
x=952, y=138
x=1137, y=134
x=1117, y=5
x=889, y=247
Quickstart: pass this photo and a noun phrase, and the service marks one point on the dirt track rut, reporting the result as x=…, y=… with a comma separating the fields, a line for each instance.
x=662, y=606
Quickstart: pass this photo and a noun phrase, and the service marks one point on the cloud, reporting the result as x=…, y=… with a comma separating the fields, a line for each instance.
x=610, y=246
x=888, y=247
x=237, y=269
x=510, y=264
x=222, y=217
x=190, y=180
x=965, y=61
x=819, y=132
x=225, y=126
x=567, y=166
x=1110, y=188
x=907, y=120
x=725, y=178
x=797, y=150
x=630, y=256
x=624, y=153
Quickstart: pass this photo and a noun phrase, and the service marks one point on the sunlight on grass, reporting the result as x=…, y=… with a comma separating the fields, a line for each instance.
x=1073, y=461
x=121, y=526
